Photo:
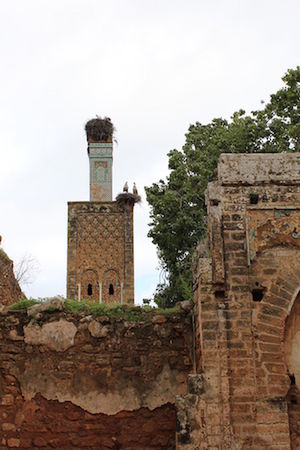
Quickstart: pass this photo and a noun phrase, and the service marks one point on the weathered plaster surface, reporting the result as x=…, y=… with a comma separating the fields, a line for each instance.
x=259, y=168
x=81, y=382
x=88, y=391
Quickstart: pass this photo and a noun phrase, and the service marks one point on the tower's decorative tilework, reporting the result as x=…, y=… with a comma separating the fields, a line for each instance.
x=100, y=252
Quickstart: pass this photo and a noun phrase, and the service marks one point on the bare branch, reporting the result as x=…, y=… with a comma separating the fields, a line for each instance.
x=26, y=269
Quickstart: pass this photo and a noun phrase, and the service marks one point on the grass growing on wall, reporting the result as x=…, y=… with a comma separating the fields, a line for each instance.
x=116, y=311
x=126, y=312
x=23, y=304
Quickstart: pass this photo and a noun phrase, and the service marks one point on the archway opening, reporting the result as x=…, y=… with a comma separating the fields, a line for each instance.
x=111, y=289
x=292, y=355
x=90, y=285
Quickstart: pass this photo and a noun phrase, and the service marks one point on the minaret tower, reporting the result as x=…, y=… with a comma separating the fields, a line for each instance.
x=100, y=150
x=100, y=231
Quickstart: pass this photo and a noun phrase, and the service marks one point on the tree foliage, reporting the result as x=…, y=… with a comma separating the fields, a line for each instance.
x=178, y=212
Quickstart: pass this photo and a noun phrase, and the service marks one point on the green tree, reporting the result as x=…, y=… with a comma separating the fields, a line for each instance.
x=177, y=205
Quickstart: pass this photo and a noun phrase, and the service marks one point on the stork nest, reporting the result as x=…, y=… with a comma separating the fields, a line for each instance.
x=126, y=198
x=99, y=130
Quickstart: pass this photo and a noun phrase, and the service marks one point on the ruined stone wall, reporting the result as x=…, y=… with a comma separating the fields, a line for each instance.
x=244, y=293
x=76, y=381
x=100, y=252
x=10, y=291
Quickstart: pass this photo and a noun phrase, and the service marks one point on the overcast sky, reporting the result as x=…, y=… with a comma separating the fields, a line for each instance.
x=154, y=67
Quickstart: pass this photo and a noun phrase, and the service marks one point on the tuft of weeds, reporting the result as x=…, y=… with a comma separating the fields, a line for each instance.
x=117, y=311
x=147, y=308
x=23, y=304
x=76, y=307
x=167, y=311
x=130, y=313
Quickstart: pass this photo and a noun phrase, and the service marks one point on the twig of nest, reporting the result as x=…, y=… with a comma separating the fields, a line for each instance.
x=127, y=198
x=99, y=130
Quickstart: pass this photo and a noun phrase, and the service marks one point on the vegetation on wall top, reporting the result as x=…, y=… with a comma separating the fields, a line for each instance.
x=112, y=311
x=178, y=211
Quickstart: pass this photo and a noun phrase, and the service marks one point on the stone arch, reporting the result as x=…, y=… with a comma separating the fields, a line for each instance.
x=111, y=274
x=292, y=358
x=111, y=287
x=270, y=321
x=90, y=285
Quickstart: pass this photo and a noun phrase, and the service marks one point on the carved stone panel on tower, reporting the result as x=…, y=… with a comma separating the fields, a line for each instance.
x=100, y=252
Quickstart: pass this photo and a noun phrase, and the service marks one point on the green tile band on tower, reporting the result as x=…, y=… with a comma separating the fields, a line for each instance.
x=100, y=231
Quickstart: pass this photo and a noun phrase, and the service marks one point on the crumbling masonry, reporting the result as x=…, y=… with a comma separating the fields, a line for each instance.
x=70, y=381
x=228, y=375
x=10, y=290
x=247, y=310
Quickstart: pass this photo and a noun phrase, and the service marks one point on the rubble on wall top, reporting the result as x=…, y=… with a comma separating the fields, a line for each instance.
x=259, y=168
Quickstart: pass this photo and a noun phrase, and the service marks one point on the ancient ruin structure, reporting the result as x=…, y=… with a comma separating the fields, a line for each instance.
x=10, y=291
x=225, y=370
x=247, y=306
x=100, y=231
x=72, y=381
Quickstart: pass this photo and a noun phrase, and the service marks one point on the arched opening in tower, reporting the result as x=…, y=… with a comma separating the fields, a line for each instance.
x=90, y=289
x=111, y=289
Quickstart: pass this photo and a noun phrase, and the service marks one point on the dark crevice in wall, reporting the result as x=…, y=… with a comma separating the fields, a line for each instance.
x=257, y=294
